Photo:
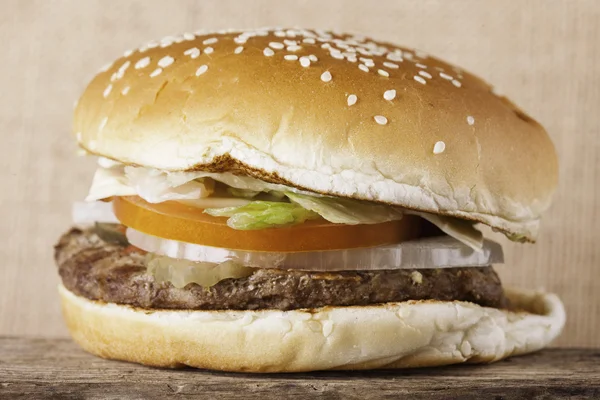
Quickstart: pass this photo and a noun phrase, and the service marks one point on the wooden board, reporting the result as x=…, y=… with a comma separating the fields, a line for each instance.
x=46, y=368
x=545, y=55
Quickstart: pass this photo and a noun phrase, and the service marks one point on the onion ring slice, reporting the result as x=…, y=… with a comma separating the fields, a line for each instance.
x=432, y=252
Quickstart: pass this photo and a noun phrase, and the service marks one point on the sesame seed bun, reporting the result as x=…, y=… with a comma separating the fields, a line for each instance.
x=334, y=114
x=393, y=335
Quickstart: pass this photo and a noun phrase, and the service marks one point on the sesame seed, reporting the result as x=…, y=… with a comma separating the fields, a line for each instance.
x=419, y=79
x=106, y=67
x=142, y=63
x=210, y=41
x=294, y=48
x=390, y=65
x=470, y=120
x=194, y=52
x=152, y=44
x=114, y=76
x=276, y=45
x=337, y=55
x=446, y=76
x=425, y=74
x=125, y=90
x=309, y=41
x=352, y=99
x=383, y=72
x=290, y=57
x=395, y=57
x=419, y=65
x=325, y=46
x=238, y=49
x=456, y=83
x=156, y=72
x=268, y=52
x=107, y=90
x=209, y=50
x=326, y=76
x=103, y=123
x=201, y=70
x=389, y=94
x=165, y=61
x=128, y=53
x=240, y=40
x=368, y=63
x=124, y=67
x=289, y=42
x=305, y=61
x=189, y=36
x=279, y=33
x=363, y=67
x=166, y=42
x=313, y=58
x=439, y=147
x=380, y=119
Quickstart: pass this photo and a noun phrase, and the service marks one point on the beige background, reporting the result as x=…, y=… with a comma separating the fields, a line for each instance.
x=545, y=54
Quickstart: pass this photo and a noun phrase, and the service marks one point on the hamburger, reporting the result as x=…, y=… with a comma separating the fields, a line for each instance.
x=282, y=200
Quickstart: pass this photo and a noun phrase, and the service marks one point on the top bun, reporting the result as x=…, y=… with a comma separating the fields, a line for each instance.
x=332, y=113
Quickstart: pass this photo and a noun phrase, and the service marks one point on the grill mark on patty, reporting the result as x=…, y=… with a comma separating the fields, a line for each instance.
x=97, y=270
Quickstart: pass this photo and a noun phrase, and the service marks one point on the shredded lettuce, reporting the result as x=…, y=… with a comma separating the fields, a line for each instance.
x=109, y=181
x=155, y=186
x=346, y=211
x=263, y=214
x=514, y=237
x=243, y=193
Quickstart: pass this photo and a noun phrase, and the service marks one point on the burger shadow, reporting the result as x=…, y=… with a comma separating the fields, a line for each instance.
x=456, y=370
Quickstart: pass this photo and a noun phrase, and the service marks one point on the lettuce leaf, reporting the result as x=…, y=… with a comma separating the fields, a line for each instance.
x=263, y=214
x=460, y=229
x=346, y=211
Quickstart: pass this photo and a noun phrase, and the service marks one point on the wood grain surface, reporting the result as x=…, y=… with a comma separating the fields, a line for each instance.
x=544, y=54
x=56, y=368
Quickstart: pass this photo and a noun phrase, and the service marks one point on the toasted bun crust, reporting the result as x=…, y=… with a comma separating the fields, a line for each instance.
x=239, y=101
x=394, y=335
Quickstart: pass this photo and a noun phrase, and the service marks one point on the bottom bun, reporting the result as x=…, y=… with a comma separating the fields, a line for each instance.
x=392, y=335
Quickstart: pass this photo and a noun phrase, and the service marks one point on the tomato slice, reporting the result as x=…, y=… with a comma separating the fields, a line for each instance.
x=177, y=221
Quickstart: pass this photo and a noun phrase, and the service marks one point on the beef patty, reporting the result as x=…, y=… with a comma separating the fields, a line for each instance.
x=95, y=269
